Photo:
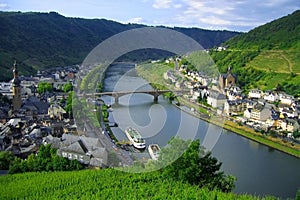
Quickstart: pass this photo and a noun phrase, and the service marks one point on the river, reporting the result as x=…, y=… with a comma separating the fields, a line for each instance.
x=259, y=170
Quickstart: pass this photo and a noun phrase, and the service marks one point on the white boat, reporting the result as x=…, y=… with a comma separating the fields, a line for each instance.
x=135, y=138
x=154, y=151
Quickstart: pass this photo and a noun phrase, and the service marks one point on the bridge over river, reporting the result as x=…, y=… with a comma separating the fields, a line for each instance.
x=118, y=94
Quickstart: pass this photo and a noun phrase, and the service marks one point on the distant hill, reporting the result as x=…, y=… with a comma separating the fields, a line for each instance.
x=267, y=57
x=42, y=40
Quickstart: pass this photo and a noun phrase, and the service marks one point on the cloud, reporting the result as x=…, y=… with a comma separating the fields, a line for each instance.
x=3, y=6
x=234, y=14
x=164, y=4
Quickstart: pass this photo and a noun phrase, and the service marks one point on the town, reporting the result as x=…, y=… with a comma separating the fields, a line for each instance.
x=269, y=112
x=35, y=111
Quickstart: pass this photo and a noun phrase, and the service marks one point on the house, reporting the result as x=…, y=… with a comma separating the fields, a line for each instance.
x=233, y=93
x=273, y=121
x=35, y=105
x=86, y=150
x=289, y=125
x=55, y=111
x=259, y=112
x=286, y=99
x=196, y=94
x=271, y=96
x=220, y=48
x=216, y=99
x=289, y=112
x=255, y=94
x=57, y=129
x=234, y=107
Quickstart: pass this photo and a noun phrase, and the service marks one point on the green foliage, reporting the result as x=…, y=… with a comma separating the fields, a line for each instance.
x=282, y=33
x=171, y=96
x=68, y=87
x=43, y=87
x=45, y=160
x=105, y=113
x=6, y=158
x=296, y=134
x=193, y=165
x=105, y=184
x=266, y=56
x=69, y=103
x=91, y=81
x=298, y=195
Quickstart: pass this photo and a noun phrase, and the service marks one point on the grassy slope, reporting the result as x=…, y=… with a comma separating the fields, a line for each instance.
x=103, y=184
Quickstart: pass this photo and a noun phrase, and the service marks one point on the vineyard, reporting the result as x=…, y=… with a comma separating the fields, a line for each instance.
x=104, y=184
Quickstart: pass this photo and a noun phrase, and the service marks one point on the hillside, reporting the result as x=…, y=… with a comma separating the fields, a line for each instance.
x=267, y=57
x=280, y=34
x=104, y=184
x=42, y=40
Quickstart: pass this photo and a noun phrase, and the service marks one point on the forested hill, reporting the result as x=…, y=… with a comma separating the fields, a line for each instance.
x=283, y=34
x=267, y=57
x=39, y=40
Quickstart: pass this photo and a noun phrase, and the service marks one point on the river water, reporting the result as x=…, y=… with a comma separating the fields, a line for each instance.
x=259, y=170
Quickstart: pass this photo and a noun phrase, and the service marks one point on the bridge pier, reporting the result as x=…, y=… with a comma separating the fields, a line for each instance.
x=116, y=99
x=155, y=98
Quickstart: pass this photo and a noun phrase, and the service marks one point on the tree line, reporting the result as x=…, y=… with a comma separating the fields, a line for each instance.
x=45, y=160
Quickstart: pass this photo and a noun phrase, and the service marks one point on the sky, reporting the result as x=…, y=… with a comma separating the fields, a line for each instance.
x=234, y=15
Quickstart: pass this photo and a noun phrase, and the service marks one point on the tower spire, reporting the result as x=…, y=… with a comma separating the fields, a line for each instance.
x=16, y=84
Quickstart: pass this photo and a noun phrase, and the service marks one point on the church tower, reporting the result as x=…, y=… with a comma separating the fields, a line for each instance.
x=16, y=89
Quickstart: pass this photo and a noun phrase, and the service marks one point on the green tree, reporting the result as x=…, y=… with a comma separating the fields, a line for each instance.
x=15, y=166
x=298, y=195
x=6, y=158
x=194, y=166
x=69, y=103
x=68, y=87
x=43, y=87
x=296, y=134
x=171, y=96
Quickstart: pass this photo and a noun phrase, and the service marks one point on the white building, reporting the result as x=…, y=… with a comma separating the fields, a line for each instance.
x=234, y=107
x=270, y=96
x=258, y=113
x=255, y=94
x=286, y=99
x=216, y=99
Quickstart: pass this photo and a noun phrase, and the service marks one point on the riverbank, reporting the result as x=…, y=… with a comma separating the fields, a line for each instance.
x=245, y=131
x=155, y=76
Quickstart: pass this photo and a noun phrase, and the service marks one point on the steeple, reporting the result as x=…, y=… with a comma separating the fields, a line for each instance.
x=16, y=81
x=16, y=88
x=229, y=70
